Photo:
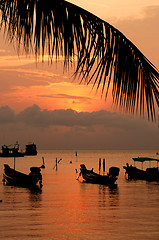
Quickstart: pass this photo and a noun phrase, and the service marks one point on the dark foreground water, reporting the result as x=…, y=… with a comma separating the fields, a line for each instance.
x=69, y=209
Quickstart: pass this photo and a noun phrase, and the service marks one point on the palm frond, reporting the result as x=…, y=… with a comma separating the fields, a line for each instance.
x=104, y=55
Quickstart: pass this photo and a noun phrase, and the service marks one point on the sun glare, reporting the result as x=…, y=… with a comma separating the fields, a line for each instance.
x=52, y=96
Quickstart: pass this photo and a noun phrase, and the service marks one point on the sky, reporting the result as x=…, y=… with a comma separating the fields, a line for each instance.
x=42, y=103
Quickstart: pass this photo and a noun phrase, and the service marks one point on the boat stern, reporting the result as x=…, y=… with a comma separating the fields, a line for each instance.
x=35, y=174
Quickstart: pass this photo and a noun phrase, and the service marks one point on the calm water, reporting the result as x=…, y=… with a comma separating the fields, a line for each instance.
x=69, y=209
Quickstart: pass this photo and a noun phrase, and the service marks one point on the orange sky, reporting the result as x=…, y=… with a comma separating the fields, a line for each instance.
x=114, y=9
x=25, y=83
x=138, y=20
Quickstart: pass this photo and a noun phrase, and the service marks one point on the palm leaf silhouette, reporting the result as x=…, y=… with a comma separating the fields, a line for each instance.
x=103, y=54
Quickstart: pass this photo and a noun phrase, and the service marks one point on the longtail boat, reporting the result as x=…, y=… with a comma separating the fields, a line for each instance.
x=15, y=178
x=90, y=176
x=150, y=174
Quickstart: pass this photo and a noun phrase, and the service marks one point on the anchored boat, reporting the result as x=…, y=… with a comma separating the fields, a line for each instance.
x=90, y=176
x=15, y=178
x=11, y=151
x=150, y=174
x=30, y=149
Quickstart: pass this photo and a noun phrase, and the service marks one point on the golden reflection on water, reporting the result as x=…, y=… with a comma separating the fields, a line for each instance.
x=69, y=209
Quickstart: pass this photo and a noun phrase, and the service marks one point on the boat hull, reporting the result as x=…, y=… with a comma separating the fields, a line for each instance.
x=91, y=177
x=30, y=153
x=150, y=174
x=9, y=155
x=104, y=180
x=14, y=178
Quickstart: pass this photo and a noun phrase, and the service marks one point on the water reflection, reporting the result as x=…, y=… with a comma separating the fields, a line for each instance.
x=68, y=209
x=108, y=196
x=102, y=195
x=16, y=195
x=35, y=197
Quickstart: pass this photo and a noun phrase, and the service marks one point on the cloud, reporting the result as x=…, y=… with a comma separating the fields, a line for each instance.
x=68, y=129
x=37, y=117
x=4, y=51
x=151, y=11
x=20, y=60
x=45, y=118
x=65, y=96
x=6, y=115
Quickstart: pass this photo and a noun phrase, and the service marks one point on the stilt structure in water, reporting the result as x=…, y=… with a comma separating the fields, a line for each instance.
x=103, y=166
x=99, y=164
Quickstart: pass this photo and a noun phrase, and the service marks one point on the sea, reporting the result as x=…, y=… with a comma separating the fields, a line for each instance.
x=66, y=208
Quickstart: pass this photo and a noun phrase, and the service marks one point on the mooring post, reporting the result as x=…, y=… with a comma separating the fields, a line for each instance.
x=99, y=164
x=56, y=164
x=43, y=161
x=103, y=166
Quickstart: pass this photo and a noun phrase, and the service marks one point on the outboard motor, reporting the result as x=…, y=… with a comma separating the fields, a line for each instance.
x=35, y=173
x=114, y=171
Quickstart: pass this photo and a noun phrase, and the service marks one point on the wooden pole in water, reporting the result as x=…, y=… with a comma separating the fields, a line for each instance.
x=43, y=161
x=103, y=166
x=56, y=164
x=99, y=164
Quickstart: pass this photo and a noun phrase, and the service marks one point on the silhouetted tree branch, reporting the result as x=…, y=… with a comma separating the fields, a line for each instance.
x=103, y=54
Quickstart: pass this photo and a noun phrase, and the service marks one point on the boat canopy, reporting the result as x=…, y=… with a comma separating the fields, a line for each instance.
x=144, y=159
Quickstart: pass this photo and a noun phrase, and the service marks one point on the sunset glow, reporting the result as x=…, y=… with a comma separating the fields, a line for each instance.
x=51, y=97
x=44, y=84
x=27, y=82
x=79, y=119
